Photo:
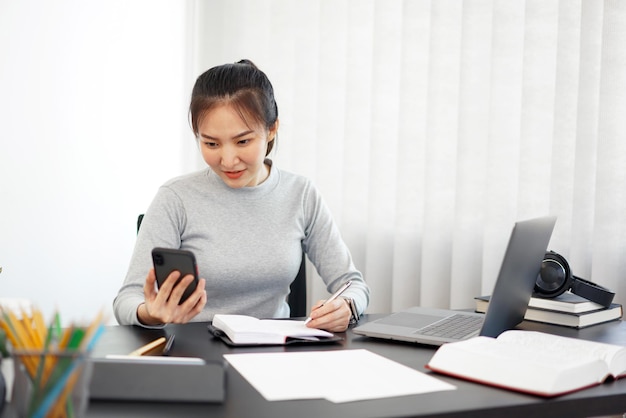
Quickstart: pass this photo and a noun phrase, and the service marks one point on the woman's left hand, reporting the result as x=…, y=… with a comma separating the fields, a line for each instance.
x=333, y=316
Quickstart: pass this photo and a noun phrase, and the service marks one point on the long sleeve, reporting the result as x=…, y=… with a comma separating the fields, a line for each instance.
x=248, y=243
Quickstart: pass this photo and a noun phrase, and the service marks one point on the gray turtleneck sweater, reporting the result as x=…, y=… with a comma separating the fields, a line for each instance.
x=248, y=243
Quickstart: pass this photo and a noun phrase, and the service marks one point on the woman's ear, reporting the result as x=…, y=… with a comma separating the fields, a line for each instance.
x=271, y=137
x=273, y=131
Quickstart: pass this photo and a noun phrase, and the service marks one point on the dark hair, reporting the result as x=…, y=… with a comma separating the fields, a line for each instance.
x=241, y=84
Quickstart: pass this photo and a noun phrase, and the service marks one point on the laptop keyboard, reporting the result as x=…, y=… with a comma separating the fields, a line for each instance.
x=455, y=326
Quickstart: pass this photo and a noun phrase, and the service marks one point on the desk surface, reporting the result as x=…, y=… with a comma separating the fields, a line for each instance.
x=469, y=400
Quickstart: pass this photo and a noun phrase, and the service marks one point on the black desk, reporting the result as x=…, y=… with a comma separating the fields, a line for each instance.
x=469, y=400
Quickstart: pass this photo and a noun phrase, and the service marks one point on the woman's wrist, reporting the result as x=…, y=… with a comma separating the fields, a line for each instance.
x=144, y=317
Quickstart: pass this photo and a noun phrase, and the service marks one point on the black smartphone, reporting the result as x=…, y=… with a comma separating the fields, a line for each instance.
x=167, y=260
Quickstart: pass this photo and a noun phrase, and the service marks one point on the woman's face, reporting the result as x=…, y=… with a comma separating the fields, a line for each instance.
x=234, y=150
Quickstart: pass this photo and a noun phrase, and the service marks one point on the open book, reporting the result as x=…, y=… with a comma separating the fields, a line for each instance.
x=243, y=329
x=532, y=362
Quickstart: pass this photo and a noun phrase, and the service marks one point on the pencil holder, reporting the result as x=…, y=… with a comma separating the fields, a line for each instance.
x=51, y=384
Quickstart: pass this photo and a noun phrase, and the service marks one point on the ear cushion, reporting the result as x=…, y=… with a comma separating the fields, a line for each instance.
x=555, y=276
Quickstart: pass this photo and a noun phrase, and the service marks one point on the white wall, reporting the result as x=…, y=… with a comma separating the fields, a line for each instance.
x=93, y=101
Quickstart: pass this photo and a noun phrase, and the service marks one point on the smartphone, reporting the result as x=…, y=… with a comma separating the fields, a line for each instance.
x=167, y=260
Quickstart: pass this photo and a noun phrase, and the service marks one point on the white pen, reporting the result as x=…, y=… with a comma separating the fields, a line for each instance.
x=333, y=297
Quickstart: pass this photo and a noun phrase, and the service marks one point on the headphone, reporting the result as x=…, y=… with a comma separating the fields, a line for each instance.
x=555, y=278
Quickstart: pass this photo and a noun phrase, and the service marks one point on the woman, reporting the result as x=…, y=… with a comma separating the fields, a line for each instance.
x=246, y=221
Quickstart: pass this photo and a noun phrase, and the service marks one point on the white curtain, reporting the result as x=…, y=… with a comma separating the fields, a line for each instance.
x=432, y=126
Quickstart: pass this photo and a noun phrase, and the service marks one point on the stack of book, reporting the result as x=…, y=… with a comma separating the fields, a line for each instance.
x=567, y=309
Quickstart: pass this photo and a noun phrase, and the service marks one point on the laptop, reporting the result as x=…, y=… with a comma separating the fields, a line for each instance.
x=514, y=286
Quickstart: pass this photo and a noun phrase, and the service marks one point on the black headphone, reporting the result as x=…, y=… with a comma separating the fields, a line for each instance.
x=555, y=277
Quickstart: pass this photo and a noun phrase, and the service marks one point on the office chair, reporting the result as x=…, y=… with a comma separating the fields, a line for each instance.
x=297, y=290
x=139, y=219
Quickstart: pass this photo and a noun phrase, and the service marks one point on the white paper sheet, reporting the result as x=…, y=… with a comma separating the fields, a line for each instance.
x=338, y=376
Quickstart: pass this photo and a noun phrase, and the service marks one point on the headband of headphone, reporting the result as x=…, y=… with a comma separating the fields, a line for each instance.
x=555, y=278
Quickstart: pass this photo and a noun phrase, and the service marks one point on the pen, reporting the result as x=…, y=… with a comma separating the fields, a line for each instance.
x=150, y=347
x=168, y=345
x=333, y=297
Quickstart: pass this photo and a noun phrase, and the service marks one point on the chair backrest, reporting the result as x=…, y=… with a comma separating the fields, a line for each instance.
x=297, y=293
x=297, y=289
x=139, y=219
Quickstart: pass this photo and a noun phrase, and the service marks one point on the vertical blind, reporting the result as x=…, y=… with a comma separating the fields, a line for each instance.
x=432, y=126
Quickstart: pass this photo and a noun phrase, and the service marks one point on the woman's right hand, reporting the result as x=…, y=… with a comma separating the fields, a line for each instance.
x=161, y=306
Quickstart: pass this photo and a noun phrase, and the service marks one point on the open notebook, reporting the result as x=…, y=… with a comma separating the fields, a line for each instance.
x=509, y=300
